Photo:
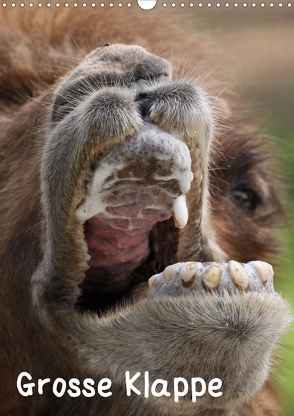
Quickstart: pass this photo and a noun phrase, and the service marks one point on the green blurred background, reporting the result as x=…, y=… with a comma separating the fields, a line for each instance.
x=259, y=47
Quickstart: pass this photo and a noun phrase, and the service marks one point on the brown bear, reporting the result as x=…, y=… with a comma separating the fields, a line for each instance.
x=119, y=165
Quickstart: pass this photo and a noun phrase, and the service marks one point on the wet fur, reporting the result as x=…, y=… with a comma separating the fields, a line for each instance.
x=39, y=331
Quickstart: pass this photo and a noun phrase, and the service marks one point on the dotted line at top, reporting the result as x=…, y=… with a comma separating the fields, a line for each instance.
x=64, y=5
x=165, y=5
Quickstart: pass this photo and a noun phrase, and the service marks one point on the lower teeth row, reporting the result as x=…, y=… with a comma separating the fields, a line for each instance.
x=255, y=276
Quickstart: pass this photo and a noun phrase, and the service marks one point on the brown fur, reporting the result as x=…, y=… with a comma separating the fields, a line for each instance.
x=40, y=332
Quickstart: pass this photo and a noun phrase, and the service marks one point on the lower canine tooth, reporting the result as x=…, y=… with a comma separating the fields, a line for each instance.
x=212, y=277
x=188, y=274
x=264, y=271
x=151, y=280
x=239, y=275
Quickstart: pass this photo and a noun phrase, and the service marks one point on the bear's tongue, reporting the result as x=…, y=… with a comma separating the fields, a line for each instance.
x=119, y=245
x=136, y=185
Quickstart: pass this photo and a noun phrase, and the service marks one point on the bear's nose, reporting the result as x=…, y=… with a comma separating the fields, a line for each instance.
x=152, y=68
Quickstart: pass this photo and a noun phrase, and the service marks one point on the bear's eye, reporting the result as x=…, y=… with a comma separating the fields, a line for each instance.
x=246, y=197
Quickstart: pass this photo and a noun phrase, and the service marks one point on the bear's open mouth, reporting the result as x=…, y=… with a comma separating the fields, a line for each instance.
x=127, y=212
x=136, y=257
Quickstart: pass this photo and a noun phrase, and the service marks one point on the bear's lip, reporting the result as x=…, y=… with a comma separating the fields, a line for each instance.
x=133, y=194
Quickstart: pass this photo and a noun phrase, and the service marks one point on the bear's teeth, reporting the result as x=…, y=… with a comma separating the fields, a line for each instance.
x=239, y=275
x=180, y=211
x=188, y=274
x=151, y=280
x=169, y=271
x=212, y=277
x=264, y=271
x=181, y=278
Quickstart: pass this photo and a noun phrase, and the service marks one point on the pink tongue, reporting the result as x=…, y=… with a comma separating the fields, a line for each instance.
x=118, y=245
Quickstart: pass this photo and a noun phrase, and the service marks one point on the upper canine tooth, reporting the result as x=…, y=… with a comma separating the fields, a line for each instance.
x=169, y=271
x=180, y=211
x=212, y=277
x=188, y=274
x=264, y=271
x=239, y=275
x=177, y=224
